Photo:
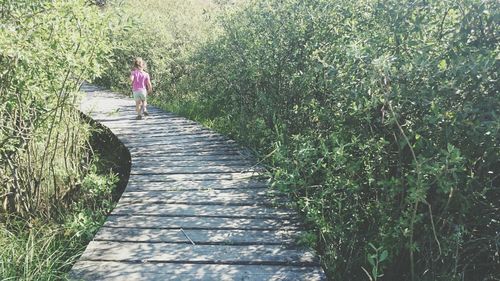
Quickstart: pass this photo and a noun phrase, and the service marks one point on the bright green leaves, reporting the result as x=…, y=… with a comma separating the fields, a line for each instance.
x=375, y=260
x=47, y=49
x=442, y=65
x=380, y=117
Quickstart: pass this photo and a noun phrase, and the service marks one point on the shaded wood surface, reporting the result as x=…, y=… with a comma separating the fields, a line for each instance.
x=197, y=207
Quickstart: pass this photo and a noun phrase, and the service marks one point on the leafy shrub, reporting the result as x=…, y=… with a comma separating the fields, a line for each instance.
x=53, y=194
x=381, y=118
x=164, y=34
x=38, y=249
x=47, y=49
x=384, y=121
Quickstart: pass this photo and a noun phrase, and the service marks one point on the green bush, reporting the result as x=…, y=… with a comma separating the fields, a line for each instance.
x=38, y=249
x=384, y=121
x=381, y=118
x=53, y=199
x=47, y=48
x=164, y=34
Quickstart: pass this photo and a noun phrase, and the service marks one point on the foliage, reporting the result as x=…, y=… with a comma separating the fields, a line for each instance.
x=164, y=34
x=47, y=49
x=46, y=250
x=384, y=117
x=54, y=195
x=381, y=118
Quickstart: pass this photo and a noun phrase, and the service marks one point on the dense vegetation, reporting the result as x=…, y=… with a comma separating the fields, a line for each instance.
x=381, y=118
x=54, y=190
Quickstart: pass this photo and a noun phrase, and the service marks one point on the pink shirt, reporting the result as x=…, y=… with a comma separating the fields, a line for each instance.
x=140, y=81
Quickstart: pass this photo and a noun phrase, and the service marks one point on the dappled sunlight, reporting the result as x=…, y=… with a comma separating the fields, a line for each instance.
x=197, y=206
x=159, y=271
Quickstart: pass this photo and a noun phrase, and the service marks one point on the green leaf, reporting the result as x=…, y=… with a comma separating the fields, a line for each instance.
x=442, y=65
x=383, y=256
x=371, y=260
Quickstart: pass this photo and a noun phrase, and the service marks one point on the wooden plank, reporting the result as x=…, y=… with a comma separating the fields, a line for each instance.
x=180, y=253
x=176, y=139
x=167, y=148
x=192, y=156
x=119, y=271
x=150, y=169
x=140, y=126
x=139, y=163
x=131, y=123
x=212, y=158
x=156, y=222
x=194, y=177
x=227, y=152
x=146, y=141
x=173, y=135
x=121, y=112
x=208, y=196
x=188, y=210
x=199, y=237
x=155, y=114
x=136, y=185
x=184, y=144
x=166, y=132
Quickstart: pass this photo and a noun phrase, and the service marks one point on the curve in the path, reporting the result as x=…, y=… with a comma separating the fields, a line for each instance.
x=195, y=207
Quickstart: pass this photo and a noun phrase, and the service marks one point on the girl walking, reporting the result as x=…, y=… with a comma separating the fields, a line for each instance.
x=141, y=86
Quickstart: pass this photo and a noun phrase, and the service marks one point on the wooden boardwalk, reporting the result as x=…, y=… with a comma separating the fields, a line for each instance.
x=195, y=207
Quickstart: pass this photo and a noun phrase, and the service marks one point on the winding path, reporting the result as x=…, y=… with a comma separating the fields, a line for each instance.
x=195, y=207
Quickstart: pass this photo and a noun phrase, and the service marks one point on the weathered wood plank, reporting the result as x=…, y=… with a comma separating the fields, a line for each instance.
x=157, y=222
x=119, y=113
x=155, y=115
x=208, y=196
x=145, y=153
x=191, y=163
x=150, y=169
x=190, y=155
x=202, y=237
x=172, y=135
x=136, y=185
x=190, y=210
x=214, y=158
x=166, y=132
x=180, y=253
x=194, y=177
x=140, y=126
x=119, y=271
x=194, y=148
x=145, y=140
x=152, y=120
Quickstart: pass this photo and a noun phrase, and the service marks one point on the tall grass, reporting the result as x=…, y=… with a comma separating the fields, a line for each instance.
x=40, y=249
x=39, y=253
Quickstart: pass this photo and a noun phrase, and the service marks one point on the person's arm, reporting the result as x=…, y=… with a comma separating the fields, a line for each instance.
x=131, y=78
x=150, y=87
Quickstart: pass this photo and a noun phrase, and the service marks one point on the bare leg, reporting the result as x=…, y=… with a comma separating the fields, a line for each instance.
x=138, y=107
x=144, y=107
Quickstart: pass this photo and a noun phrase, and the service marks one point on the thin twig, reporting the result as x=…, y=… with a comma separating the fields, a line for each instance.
x=433, y=227
x=185, y=234
x=261, y=160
